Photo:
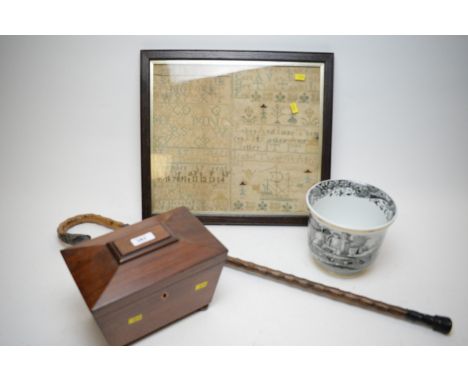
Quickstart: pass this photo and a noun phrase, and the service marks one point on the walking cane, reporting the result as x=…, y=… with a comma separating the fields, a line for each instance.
x=440, y=324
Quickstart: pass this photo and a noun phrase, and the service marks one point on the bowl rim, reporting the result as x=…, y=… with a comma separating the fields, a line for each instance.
x=350, y=230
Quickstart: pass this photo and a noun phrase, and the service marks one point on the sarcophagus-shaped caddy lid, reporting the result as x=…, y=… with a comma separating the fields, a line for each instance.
x=119, y=268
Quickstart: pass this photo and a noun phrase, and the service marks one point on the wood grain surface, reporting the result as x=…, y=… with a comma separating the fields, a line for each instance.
x=133, y=298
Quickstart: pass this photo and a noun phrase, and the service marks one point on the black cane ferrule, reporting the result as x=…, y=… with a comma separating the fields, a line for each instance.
x=440, y=324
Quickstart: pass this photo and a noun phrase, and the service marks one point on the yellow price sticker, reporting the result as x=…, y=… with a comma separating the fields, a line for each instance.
x=201, y=285
x=294, y=108
x=299, y=77
x=134, y=319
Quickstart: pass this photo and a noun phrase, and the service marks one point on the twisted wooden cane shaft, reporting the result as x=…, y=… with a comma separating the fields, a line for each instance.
x=322, y=289
x=438, y=323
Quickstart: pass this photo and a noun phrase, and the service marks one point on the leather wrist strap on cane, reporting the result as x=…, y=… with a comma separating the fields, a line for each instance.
x=438, y=323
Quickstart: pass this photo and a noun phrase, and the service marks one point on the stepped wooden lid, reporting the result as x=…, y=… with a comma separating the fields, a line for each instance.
x=126, y=263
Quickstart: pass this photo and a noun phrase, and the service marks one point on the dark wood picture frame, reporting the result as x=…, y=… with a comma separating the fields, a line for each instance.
x=145, y=101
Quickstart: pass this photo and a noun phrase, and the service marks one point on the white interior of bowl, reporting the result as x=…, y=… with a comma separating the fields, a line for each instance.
x=349, y=212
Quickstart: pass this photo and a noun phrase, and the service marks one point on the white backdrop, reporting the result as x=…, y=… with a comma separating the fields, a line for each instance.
x=69, y=144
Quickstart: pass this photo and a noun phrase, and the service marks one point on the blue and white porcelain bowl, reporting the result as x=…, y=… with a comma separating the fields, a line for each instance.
x=347, y=224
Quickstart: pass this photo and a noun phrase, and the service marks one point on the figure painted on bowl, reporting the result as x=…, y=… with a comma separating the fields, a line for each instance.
x=342, y=249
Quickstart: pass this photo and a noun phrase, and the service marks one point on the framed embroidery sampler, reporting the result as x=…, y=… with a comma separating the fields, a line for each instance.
x=238, y=137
